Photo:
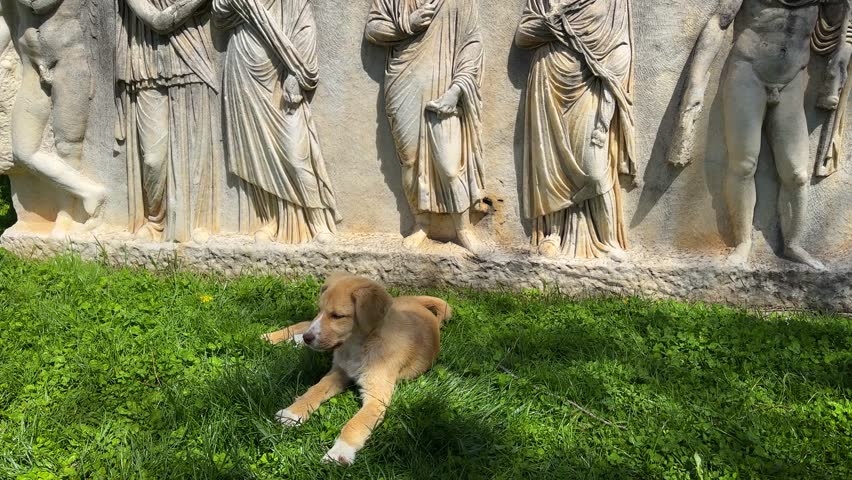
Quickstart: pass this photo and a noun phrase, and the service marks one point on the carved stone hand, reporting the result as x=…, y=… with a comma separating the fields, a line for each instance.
x=554, y=16
x=836, y=75
x=421, y=18
x=683, y=137
x=292, y=94
x=166, y=20
x=184, y=8
x=447, y=105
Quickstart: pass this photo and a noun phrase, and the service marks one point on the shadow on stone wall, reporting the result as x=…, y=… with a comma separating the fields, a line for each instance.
x=518, y=67
x=7, y=213
x=373, y=58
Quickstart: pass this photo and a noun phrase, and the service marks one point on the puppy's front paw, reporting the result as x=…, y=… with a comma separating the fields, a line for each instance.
x=298, y=340
x=341, y=453
x=272, y=338
x=288, y=419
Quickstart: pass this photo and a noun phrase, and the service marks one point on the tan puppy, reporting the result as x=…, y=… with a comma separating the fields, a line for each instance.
x=377, y=340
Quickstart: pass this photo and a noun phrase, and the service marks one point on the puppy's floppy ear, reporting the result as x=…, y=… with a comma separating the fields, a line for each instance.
x=332, y=279
x=372, y=303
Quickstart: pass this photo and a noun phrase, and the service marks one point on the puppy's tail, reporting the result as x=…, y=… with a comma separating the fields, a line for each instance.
x=442, y=310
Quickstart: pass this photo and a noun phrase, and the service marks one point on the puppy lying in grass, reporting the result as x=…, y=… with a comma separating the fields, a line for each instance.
x=377, y=340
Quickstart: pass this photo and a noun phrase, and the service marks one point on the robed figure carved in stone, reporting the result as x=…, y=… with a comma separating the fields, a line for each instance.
x=168, y=118
x=579, y=124
x=56, y=90
x=272, y=142
x=764, y=90
x=433, y=102
x=828, y=40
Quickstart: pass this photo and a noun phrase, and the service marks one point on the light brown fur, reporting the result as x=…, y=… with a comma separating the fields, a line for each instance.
x=377, y=341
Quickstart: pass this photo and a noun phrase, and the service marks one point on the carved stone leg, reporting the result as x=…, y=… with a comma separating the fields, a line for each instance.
x=744, y=107
x=788, y=134
x=420, y=233
x=153, y=126
x=30, y=116
x=466, y=236
x=71, y=104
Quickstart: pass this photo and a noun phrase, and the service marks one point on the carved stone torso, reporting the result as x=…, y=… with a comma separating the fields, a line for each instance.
x=61, y=29
x=774, y=37
x=145, y=58
x=42, y=38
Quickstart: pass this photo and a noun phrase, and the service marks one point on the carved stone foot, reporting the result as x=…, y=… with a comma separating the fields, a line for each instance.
x=147, y=233
x=324, y=238
x=414, y=240
x=90, y=225
x=63, y=226
x=200, y=235
x=739, y=255
x=94, y=201
x=798, y=254
x=470, y=241
x=263, y=236
x=618, y=255
x=549, y=247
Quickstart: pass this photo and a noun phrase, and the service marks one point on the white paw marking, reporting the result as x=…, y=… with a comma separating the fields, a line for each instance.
x=287, y=418
x=298, y=340
x=341, y=453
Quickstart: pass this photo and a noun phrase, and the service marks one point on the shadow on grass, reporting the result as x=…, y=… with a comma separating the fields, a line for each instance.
x=724, y=383
x=661, y=338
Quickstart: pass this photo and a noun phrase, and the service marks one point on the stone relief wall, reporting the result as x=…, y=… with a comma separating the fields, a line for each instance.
x=635, y=132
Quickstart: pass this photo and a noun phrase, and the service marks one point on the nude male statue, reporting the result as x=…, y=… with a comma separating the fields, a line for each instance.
x=56, y=85
x=764, y=88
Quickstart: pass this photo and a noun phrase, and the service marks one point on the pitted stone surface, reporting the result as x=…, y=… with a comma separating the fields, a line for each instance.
x=775, y=284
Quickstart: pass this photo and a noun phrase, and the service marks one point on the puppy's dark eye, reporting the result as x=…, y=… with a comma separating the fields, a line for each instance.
x=336, y=316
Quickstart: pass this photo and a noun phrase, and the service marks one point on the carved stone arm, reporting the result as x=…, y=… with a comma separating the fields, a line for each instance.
x=168, y=19
x=40, y=6
x=386, y=28
x=706, y=49
x=837, y=69
x=692, y=103
x=533, y=31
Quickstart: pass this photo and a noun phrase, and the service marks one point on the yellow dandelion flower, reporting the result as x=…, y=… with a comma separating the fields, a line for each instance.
x=205, y=298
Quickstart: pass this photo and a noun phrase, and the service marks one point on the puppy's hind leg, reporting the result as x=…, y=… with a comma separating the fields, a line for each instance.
x=293, y=332
x=440, y=308
x=356, y=432
x=331, y=384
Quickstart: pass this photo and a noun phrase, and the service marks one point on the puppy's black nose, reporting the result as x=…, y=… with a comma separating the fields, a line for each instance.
x=308, y=337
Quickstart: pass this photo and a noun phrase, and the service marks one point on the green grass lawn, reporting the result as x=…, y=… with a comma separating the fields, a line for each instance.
x=118, y=373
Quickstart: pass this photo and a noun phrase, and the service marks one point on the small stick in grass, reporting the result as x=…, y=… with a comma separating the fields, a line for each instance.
x=570, y=402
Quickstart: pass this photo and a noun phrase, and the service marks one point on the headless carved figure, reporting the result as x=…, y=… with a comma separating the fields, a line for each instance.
x=764, y=89
x=56, y=84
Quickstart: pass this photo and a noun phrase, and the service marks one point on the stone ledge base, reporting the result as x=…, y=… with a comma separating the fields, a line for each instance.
x=776, y=285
